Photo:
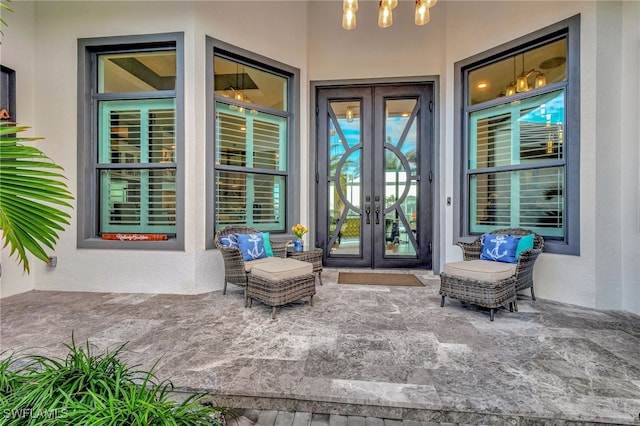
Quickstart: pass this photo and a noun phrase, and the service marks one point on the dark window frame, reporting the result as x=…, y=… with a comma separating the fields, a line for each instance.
x=88, y=197
x=569, y=28
x=292, y=210
x=8, y=93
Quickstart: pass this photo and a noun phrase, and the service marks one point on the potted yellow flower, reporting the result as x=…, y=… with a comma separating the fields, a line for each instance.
x=299, y=230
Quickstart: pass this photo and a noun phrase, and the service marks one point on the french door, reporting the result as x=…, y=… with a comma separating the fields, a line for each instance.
x=374, y=175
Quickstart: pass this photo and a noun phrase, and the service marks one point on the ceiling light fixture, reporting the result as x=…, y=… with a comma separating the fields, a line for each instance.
x=349, y=114
x=349, y=9
x=385, y=12
x=549, y=147
x=541, y=80
x=511, y=88
x=422, y=12
x=521, y=83
x=422, y=15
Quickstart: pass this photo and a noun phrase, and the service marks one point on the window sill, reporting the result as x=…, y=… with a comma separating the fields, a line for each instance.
x=171, y=243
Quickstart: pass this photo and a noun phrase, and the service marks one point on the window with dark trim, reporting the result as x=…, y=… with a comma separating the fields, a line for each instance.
x=130, y=141
x=519, y=146
x=253, y=138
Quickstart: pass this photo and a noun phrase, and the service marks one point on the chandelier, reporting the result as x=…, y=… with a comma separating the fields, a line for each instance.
x=521, y=83
x=385, y=12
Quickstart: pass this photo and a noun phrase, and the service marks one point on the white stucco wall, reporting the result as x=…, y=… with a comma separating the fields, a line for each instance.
x=59, y=25
x=54, y=79
x=308, y=35
x=600, y=276
x=608, y=231
x=276, y=30
x=630, y=157
x=467, y=36
x=457, y=31
x=17, y=52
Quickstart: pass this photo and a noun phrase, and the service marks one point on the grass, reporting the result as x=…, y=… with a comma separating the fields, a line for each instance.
x=92, y=389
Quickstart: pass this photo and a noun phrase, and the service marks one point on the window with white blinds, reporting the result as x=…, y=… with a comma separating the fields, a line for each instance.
x=518, y=151
x=250, y=168
x=251, y=146
x=131, y=142
x=516, y=165
x=137, y=166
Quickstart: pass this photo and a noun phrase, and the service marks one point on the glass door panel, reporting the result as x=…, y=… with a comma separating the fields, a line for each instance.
x=372, y=152
x=345, y=165
x=400, y=178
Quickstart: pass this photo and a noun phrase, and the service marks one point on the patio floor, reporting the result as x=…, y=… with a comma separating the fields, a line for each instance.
x=377, y=351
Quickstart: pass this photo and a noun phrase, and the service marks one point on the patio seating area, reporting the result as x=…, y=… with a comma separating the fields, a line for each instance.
x=489, y=283
x=389, y=352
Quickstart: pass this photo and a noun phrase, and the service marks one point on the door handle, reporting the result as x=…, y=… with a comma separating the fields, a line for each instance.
x=367, y=210
x=377, y=214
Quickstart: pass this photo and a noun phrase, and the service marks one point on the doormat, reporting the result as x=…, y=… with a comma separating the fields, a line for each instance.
x=373, y=278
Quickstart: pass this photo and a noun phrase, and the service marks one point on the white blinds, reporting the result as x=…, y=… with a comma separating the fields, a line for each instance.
x=135, y=198
x=516, y=166
x=250, y=168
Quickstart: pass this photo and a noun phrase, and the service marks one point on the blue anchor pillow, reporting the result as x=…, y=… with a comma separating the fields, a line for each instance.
x=500, y=248
x=251, y=246
x=230, y=240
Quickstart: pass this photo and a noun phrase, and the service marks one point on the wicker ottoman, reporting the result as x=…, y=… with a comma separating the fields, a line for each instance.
x=278, y=283
x=481, y=282
x=313, y=256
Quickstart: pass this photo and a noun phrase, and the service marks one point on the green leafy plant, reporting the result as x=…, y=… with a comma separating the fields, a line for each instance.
x=6, y=7
x=89, y=389
x=31, y=190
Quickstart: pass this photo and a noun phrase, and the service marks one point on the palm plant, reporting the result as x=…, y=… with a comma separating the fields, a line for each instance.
x=31, y=190
x=5, y=7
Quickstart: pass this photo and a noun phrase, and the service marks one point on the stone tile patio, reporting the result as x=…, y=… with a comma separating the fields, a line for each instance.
x=377, y=351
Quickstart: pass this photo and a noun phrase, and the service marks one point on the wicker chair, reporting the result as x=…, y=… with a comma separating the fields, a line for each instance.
x=234, y=266
x=493, y=294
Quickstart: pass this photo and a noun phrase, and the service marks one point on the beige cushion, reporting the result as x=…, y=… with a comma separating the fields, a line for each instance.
x=282, y=269
x=251, y=263
x=481, y=270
